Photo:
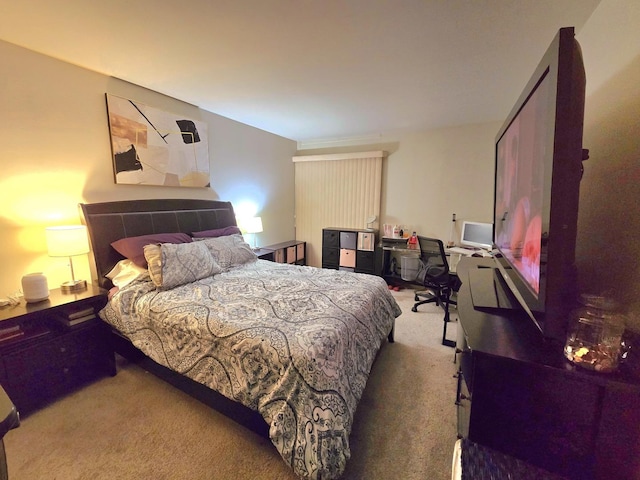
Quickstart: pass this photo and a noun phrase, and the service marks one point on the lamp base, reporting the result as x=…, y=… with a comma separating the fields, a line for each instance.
x=73, y=286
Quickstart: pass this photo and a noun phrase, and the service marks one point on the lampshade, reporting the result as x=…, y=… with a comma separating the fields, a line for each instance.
x=253, y=225
x=67, y=241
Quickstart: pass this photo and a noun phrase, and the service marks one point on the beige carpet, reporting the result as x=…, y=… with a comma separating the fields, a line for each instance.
x=135, y=426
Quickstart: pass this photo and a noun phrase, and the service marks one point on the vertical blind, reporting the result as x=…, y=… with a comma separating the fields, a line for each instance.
x=339, y=190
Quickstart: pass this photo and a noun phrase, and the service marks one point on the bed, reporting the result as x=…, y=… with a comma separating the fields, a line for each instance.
x=287, y=346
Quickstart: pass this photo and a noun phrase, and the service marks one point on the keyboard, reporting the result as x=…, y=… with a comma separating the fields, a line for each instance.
x=462, y=251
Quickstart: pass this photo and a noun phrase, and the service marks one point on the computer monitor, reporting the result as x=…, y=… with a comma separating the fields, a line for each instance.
x=477, y=234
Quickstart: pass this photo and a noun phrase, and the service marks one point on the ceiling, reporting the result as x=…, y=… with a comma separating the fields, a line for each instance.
x=309, y=69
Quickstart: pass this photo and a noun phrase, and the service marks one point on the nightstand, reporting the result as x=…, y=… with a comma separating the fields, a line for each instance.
x=264, y=253
x=49, y=348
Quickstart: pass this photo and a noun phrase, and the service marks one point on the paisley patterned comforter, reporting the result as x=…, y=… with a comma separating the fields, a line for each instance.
x=294, y=343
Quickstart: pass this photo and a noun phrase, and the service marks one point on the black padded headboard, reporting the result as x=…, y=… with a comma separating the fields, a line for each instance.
x=110, y=221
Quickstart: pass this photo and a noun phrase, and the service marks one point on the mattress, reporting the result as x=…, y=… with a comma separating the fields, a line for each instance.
x=294, y=343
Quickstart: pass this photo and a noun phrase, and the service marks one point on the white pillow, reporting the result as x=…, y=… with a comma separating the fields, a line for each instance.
x=124, y=273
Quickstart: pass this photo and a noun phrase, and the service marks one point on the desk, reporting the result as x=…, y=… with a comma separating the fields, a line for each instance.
x=399, y=246
x=390, y=246
x=456, y=253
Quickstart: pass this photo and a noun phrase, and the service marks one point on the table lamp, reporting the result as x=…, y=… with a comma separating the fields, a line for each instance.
x=253, y=225
x=68, y=241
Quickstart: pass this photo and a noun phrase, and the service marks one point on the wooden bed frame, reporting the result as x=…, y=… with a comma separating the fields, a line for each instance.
x=109, y=221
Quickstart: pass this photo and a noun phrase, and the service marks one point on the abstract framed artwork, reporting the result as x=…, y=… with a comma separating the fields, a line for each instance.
x=153, y=147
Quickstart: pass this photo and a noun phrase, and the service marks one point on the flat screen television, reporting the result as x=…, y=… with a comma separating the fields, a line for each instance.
x=538, y=167
x=477, y=234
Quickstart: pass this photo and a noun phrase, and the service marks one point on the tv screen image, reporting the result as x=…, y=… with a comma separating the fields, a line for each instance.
x=520, y=170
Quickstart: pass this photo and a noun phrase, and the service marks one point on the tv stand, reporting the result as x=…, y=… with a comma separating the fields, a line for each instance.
x=518, y=394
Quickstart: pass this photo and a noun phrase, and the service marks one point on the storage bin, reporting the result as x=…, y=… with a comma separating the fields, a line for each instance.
x=300, y=252
x=291, y=254
x=409, y=267
x=347, y=258
x=348, y=240
x=330, y=238
x=366, y=241
x=279, y=255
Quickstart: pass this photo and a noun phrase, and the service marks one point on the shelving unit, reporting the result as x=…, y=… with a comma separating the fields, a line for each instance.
x=350, y=249
x=291, y=251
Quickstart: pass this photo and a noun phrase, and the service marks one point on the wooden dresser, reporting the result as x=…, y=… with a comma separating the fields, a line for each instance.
x=47, y=357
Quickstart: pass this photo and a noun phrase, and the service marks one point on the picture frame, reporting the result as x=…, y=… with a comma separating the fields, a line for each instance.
x=153, y=147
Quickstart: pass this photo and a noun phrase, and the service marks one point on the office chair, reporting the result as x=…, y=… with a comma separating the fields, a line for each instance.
x=433, y=274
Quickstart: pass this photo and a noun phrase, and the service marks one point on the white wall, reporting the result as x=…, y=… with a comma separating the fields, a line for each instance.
x=428, y=176
x=55, y=153
x=432, y=175
x=608, y=254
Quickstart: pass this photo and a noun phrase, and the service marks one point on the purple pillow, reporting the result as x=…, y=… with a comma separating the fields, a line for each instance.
x=217, y=232
x=133, y=247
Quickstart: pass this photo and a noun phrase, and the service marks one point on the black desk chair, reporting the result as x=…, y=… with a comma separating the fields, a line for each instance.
x=9, y=418
x=433, y=274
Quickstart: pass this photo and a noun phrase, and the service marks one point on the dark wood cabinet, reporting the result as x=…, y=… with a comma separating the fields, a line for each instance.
x=50, y=358
x=518, y=394
x=350, y=249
